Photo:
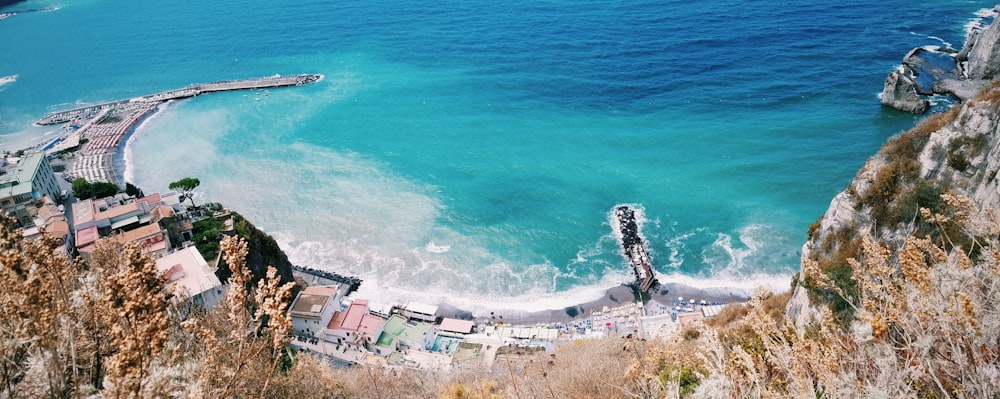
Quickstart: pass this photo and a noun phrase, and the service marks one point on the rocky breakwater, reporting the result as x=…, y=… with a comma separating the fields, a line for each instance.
x=932, y=70
x=955, y=152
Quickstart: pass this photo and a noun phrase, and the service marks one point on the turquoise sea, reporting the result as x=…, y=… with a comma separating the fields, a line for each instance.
x=472, y=151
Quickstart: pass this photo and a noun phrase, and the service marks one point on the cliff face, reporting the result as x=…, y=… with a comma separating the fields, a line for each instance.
x=263, y=252
x=956, y=152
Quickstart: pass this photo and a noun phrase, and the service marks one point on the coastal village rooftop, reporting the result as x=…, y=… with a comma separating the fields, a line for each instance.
x=312, y=301
x=398, y=332
x=189, y=275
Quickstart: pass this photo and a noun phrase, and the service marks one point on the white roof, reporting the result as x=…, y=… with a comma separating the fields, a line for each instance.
x=456, y=325
x=380, y=308
x=189, y=273
x=422, y=308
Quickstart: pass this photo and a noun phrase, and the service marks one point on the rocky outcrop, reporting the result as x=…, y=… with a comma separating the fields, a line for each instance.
x=900, y=92
x=263, y=251
x=928, y=71
x=966, y=153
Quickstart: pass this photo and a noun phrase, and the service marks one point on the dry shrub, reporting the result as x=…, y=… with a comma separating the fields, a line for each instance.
x=308, y=378
x=244, y=341
x=38, y=321
x=376, y=382
x=135, y=301
x=990, y=93
x=68, y=330
x=928, y=323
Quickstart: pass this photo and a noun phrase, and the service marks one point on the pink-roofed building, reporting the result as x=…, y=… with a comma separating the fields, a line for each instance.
x=313, y=309
x=354, y=325
x=85, y=239
x=83, y=214
x=151, y=238
x=148, y=221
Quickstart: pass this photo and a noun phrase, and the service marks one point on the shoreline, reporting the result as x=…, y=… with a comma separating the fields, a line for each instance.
x=615, y=296
x=612, y=297
x=120, y=162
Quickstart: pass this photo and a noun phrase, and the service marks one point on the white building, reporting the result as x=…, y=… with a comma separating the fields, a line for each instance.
x=420, y=311
x=30, y=179
x=313, y=308
x=455, y=327
x=191, y=277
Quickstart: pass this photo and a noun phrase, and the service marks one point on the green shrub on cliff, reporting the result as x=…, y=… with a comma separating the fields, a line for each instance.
x=264, y=251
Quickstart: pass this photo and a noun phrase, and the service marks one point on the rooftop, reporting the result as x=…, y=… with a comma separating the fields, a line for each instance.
x=140, y=233
x=309, y=304
x=422, y=308
x=456, y=326
x=370, y=324
x=349, y=319
x=86, y=236
x=397, y=328
x=83, y=211
x=13, y=183
x=188, y=271
x=117, y=211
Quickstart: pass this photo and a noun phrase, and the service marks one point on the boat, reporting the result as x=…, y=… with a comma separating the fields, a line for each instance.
x=626, y=226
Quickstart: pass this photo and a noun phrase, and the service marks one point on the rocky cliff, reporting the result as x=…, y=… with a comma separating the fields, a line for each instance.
x=956, y=152
x=953, y=152
x=263, y=252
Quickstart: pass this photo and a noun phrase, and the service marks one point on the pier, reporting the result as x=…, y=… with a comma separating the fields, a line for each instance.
x=633, y=247
x=189, y=91
x=103, y=128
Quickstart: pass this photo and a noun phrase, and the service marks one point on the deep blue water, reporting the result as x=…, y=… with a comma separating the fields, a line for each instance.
x=473, y=150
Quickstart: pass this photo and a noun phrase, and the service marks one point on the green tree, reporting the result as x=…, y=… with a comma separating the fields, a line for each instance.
x=132, y=190
x=98, y=189
x=101, y=189
x=82, y=189
x=186, y=185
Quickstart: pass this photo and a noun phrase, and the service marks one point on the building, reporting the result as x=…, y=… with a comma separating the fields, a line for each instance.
x=455, y=327
x=398, y=334
x=313, y=309
x=420, y=311
x=50, y=221
x=21, y=184
x=152, y=221
x=354, y=325
x=187, y=272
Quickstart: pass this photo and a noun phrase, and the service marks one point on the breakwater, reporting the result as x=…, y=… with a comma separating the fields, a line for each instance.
x=352, y=282
x=633, y=247
x=98, y=131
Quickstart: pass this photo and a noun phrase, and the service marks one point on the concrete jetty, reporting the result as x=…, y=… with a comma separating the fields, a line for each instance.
x=104, y=128
x=189, y=91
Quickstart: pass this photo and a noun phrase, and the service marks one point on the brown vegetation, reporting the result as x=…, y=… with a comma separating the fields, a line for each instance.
x=926, y=326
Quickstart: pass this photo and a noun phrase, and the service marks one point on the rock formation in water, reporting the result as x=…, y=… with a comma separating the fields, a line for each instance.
x=962, y=75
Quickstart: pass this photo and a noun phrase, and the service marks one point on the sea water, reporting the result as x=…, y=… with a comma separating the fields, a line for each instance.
x=472, y=151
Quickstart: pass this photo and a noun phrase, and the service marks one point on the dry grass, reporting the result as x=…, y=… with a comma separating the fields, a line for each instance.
x=927, y=323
